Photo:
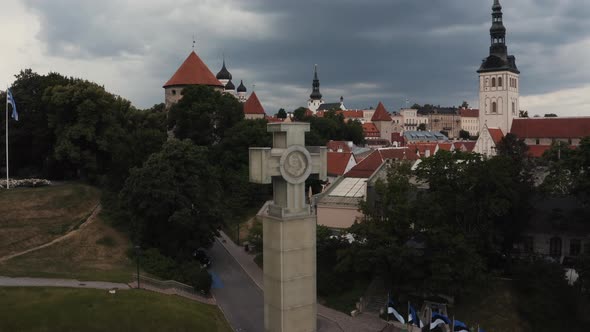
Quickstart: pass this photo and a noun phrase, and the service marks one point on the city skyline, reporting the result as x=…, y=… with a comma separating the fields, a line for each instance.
x=380, y=51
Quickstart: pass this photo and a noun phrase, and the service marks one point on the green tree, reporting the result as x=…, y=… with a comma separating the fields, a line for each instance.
x=422, y=127
x=299, y=114
x=282, y=114
x=464, y=134
x=465, y=104
x=175, y=199
x=203, y=115
x=523, y=114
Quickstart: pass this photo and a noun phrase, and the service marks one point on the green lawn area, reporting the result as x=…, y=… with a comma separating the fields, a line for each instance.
x=65, y=309
x=33, y=216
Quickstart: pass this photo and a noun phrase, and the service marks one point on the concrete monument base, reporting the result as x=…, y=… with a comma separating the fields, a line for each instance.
x=289, y=274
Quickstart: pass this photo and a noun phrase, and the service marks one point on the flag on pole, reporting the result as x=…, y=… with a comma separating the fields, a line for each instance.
x=10, y=101
x=460, y=327
x=438, y=319
x=391, y=310
x=413, y=318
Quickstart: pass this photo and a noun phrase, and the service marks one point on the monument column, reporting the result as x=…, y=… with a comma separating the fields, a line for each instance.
x=289, y=228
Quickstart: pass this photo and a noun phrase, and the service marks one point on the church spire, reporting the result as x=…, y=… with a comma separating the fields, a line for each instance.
x=315, y=94
x=498, y=32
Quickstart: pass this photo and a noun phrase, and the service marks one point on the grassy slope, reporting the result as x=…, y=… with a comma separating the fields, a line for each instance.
x=33, y=216
x=97, y=252
x=62, y=309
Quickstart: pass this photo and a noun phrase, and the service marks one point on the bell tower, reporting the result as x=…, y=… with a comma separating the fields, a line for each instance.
x=498, y=80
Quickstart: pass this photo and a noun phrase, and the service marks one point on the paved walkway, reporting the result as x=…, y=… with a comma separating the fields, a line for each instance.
x=361, y=323
x=172, y=291
x=46, y=282
x=85, y=224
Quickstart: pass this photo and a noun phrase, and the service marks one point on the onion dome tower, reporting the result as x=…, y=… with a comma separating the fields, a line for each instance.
x=498, y=79
x=242, y=92
x=224, y=76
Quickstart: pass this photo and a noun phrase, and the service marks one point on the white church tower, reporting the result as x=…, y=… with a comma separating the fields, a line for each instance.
x=498, y=80
x=315, y=98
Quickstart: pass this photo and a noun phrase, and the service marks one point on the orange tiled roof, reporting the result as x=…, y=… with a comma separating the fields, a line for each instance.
x=575, y=127
x=496, y=134
x=337, y=162
x=253, y=105
x=466, y=146
x=421, y=148
x=381, y=114
x=366, y=167
x=193, y=71
x=445, y=146
x=370, y=130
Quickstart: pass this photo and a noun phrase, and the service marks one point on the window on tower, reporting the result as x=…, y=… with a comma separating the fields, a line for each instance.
x=499, y=81
x=494, y=105
x=493, y=82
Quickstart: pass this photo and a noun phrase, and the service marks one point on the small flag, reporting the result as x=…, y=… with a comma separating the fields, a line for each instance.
x=10, y=101
x=391, y=310
x=460, y=327
x=413, y=318
x=438, y=319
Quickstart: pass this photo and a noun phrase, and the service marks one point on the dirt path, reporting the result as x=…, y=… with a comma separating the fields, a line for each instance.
x=85, y=224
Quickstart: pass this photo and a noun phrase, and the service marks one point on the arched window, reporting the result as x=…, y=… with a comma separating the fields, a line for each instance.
x=513, y=108
x=499, y=81
x=555, y=247
x=494, y=107
x=493, y=82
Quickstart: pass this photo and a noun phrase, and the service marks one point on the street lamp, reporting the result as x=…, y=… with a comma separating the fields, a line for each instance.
x=137, y=252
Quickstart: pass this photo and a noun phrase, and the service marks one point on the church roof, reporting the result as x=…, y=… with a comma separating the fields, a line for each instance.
x=329, y=106
x=253, y=105
x=574, y=127
x=366, y=167
x=496, y=134
x=381, y=114
x=193, y=71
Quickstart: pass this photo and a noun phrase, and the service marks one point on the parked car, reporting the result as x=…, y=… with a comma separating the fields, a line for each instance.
x=202, y=257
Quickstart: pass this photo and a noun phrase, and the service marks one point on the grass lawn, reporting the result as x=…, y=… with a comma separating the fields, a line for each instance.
x=33, y=216
x=65, y=309
x=96, y=252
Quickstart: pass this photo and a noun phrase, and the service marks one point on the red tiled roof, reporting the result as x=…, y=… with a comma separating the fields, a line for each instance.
x=335, y=145
x=466, y=146
x=366, y=167
x=193, y=71
x=421, y=148
x=496, y=134
x=337, y=162
x=536, y=151
x=273, y=119
x=445, y=146
x=253, y=105
x=397, y=137
x=577, y=127
x=469, y=113
x=308, y=113
x=381, y=114
x=398, y=154
x=351, y=114
x=370, y=130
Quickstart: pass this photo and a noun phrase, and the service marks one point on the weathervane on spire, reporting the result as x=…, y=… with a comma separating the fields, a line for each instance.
x=194, y=41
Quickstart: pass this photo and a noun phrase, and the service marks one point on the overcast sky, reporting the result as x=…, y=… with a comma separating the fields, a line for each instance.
x=425, y=51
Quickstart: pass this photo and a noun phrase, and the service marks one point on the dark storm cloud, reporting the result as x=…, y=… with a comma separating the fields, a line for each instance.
x=426, y=51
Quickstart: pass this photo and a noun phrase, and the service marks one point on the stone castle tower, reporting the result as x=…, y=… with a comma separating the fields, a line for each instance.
x=498, y=80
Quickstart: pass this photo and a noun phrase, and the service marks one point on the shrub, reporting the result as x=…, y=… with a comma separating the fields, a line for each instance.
x=157, y=264
x=25, y=183
x=194, y=275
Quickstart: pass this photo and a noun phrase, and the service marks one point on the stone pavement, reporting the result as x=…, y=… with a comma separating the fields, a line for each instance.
x=361, y=323
x=46, y=282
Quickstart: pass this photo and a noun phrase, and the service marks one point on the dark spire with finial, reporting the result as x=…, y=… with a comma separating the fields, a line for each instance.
x=241, y=87
x=224, y=74
x=498, y=59
x=230, y=86
x=315, y=94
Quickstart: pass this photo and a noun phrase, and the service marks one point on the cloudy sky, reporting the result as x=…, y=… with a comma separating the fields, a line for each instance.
x=425, y=51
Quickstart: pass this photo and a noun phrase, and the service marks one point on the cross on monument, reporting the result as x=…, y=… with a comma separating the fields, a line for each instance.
x=287, y=165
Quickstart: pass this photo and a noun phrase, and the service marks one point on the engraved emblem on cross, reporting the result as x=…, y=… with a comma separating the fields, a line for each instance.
x=287, y=165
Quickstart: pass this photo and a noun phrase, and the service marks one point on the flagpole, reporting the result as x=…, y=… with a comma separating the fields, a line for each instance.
x=7, y=181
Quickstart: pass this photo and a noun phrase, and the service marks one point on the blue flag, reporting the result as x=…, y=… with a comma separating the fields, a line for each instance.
x=460, y=327
x=438, y=319
x=391, y=310
x=413, y=318
x=10, y=101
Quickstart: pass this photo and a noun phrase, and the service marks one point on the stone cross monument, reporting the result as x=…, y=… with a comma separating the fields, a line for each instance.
x=289, y=228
